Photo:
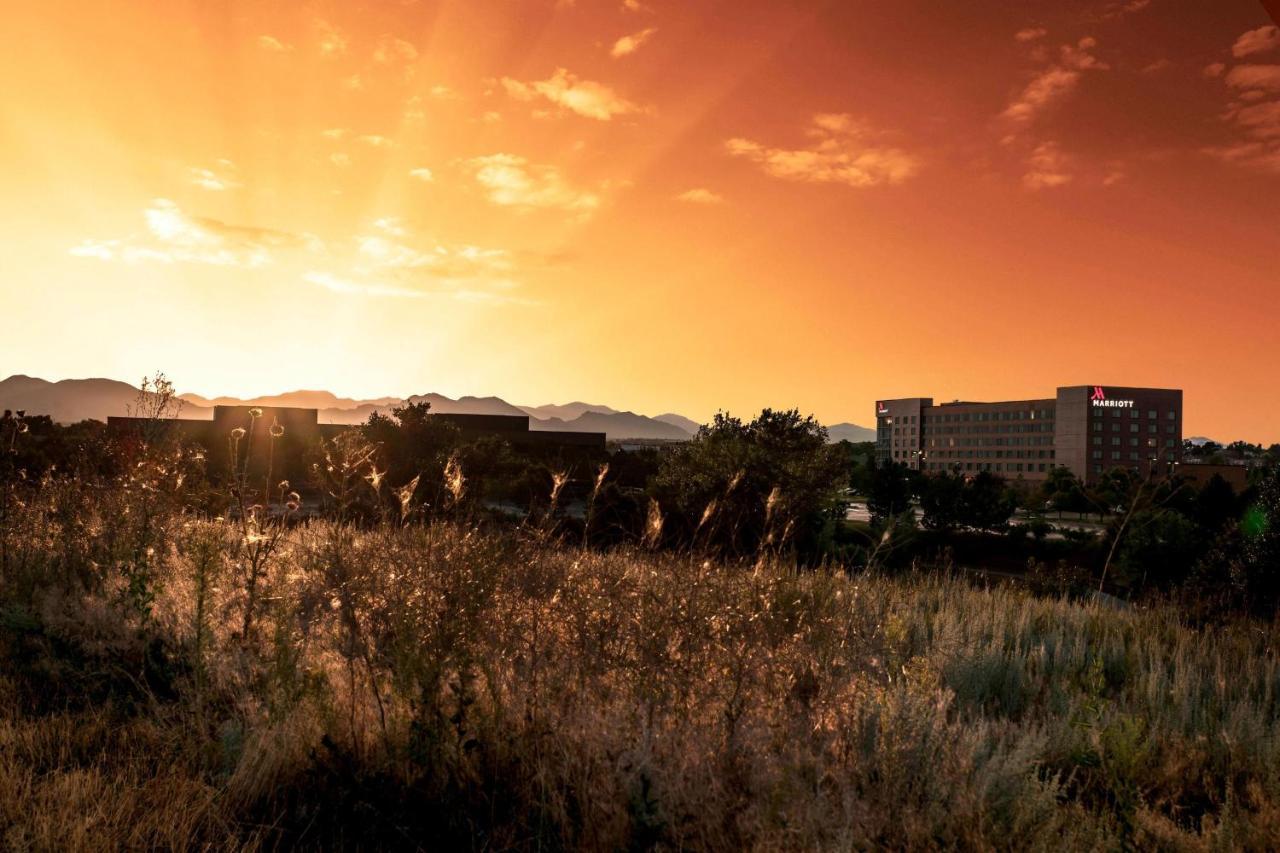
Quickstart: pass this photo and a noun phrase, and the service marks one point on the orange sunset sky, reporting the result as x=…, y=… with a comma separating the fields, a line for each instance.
x=662, y=206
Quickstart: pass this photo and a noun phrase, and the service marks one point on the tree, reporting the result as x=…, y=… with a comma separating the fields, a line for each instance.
x=1161, y=547
x=411, y=443
x=889, y=494
x=987, y=502
x=1215, y=504
x=740, y=485
x=1062, y=491
x=1259, y=569
x=942, y=501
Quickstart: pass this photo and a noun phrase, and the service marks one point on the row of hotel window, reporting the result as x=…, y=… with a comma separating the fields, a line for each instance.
x=967, y=417
x=1152, y=414
x=973, y=454
x=1003, y=415
x=1133, y=441
x=1151, y=427
x=975, y=430
x=1133, y=454
x=1000, y=467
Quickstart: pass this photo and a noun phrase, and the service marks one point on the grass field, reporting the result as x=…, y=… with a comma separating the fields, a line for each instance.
x=175, y=682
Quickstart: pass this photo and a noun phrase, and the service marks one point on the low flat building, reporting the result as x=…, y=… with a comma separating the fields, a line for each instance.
x=1088, y=429
x=299, y=430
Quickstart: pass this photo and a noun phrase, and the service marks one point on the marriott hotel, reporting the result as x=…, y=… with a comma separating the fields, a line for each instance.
x=1088, y=429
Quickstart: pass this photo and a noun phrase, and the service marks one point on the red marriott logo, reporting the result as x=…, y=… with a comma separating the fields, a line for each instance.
x=1098, y=393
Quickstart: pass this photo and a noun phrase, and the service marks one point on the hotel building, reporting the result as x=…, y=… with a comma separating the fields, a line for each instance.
x=1088, y=429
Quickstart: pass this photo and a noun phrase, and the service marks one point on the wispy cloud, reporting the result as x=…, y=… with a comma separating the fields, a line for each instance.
x=700, y=195
x=1261, y=40
x=1047, y=167
x=389, y=260
x=1054, y=82
x=512, y=181
x=1253, y=111
x=173, y=236
x=273, y=44
x=383, y=259
x=569, y=92
x=844, y=151
x=628, y=45
x=1265, y=77
x=391, y=49
x=423, y=174
x=1030, y=34
x=216, y=180
x=375, y=140
x=330, y=40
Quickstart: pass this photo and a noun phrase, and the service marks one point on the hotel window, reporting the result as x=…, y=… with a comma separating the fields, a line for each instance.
x=1097, y=426
x=1097, y=439
x=1115, y=413
x=1133, y=413
x=1115, y=427
x=1168, y=442
x=1169, y=428
x=1097, y=469
x=1152, y=428
x=1172, y=415
x=1115, y=441
x=1133, y=442
x=1133, y=427
x=1115, y=454
x=1134, y=456
x=1097, y=454
x=1151, y=442
x=1152, y=414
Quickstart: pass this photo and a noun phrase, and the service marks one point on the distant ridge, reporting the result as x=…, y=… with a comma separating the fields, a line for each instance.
x=850, y=432
x=72, y=400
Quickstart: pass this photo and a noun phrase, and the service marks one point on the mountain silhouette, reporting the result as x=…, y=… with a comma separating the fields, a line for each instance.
x=72, y=400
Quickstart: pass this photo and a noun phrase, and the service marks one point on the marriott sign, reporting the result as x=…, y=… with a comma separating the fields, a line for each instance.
x=1100, y=400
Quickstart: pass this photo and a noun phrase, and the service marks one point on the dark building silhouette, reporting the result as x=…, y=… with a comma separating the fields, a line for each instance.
x=290, y=433
x=1088, y=429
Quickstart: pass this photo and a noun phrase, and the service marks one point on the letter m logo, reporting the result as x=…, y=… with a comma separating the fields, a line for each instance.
x=1097, y=393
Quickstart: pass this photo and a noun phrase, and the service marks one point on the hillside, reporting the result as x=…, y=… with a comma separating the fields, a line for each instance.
x=850, y=432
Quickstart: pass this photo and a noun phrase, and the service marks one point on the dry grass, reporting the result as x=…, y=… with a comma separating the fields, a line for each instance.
x=441, y=686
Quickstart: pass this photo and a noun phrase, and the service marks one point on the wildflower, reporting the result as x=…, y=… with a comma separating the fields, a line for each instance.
x=255, y=412
x=405, y=494
x=653, y=525
x=294, y=496
x=558, y=479
x=453, y=479
x=707, y=513
x=237, y=433
x=277, y=429
x=771, y=502
x=291, y=506
x=604, y=470
x=375, y=478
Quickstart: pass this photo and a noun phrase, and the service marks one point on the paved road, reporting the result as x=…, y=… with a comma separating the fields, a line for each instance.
x=858, y=512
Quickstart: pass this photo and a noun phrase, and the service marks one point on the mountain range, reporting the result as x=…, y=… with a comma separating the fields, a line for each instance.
x=71, y=400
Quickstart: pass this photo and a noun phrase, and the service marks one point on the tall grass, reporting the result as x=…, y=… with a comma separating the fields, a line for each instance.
x=438, y=685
